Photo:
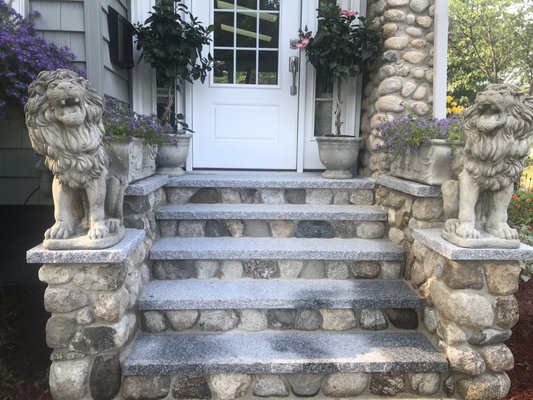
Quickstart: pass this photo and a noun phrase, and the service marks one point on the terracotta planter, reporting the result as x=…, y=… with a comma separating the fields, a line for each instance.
x=132, y=156
x=431, y=164
x=172, y=156
x=339, y=155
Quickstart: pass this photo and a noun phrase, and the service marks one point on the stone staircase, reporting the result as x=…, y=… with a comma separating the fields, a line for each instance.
x=278, y=285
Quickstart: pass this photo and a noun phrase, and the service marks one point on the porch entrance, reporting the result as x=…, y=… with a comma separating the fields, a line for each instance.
x=246, y=116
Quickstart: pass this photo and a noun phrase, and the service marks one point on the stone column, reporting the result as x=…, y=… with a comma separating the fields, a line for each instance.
x=404, y=75
x=469, y=309
x=92, y=297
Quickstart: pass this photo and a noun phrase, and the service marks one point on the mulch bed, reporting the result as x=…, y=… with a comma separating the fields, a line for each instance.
x=26, y=357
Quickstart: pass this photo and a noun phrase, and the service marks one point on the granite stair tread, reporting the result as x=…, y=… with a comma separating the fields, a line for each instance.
x=266, y=179
x=274, y=352
x=266, y=248
x=277, y=294
x=268, y=211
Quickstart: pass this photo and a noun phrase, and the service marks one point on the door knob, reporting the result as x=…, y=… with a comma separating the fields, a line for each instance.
x=293, y=67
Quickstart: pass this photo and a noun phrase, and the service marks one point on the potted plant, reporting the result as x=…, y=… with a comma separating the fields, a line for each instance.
x=421, y=149
x=171, y=41
x=132, y=139
x=344, y=46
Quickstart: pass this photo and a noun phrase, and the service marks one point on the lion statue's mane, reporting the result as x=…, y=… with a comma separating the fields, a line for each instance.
x=498, y=133
x=73, y=152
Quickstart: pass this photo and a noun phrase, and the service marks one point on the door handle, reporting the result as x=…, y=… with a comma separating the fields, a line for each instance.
x=293, y=67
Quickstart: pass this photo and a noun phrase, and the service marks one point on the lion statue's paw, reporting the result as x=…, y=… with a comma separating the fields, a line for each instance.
x=502, y=231
x=98, y=230
x=451, y=225
x=60, y=230
x=466, y=230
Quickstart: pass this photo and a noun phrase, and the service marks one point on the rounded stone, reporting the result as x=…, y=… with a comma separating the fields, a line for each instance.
x=230, y=196
x=272, y=196
x=394, y=15
x=145, y=387
x=191, y=387
x=387, y=384
x=55, y=275
x=391, y=270
x=502, y=277
x=430, y=319
x=111, y=306
x=386, y=71
x=448, y=386
x=373, y=320
x=414, y=32
x=418, y=73
x=421, y=108
x=396, y=43
x=424, y=22
x=318, y=196
x=205, y=196
x=206, y=269
x=370, y=230
x=465, y=360
x=181, y=320
x=230, y=386
x=414, y=57
x=410, y=19
x=59, y=330
x=389, y=85
x=408, y=89
x=63, y=300
x=338, y=319
x=506, y=312
x=313, y=269
x=261, y=269
x=281, y=319
x=68, y=379
x=282, y=228
x=305, y=385
x=420, y=93
x=85, y=316
x=389, y=29
x=174, y=269
x=295, y=196
x=154, y=321
x=231, y=269
x=106, y=377
x=418, y=6
x=489, y=336
x=365, y=269
x=270, y=386
x=337, y=269
x=403, y=318
x=308, y=320
x=484, y=387
x=397, y=3
x=396, y=236
x=391, y=56
x=389, y=104
x=450, y=332
x=218, y=320
x=424, y=384
x=345, y=384
x=253, y=320
x=463, y=275
x=498, y=358
x=214, y=228
x=290, y=269
x=429, y=76
x=314, y=229
x=191, y=228
x=419, y=43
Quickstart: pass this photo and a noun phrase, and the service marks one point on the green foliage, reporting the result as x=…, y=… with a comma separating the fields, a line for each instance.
x=489, y=42
x=520, y=209
x=341, y=48
x=171, y=41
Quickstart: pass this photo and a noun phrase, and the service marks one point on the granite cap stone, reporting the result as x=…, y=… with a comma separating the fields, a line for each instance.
x=274, y=352
x=146, y=186
x=277, y=294
x=250, y=248
x=266, y=179
x=267, y=211
x=116, y=254
x=432, y=239
x=409, y=187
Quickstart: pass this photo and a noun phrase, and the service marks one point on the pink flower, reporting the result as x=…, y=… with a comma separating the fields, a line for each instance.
x=304, y=41
x=349, y=13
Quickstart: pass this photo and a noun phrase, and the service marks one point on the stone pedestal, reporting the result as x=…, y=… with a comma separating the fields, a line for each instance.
x=92, y=297
x=470, y=309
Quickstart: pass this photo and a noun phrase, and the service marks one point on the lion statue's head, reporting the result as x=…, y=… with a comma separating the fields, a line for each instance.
x=498, y=134
x=64, y=119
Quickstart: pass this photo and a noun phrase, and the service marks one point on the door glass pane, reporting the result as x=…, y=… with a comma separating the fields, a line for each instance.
x=223, y=68
x=224, y=4
x=323, y=113
x=250, y=4
x=269, y=5
x=268, y=30
x=246, y=29
x=268, y=68
x=223, y=36
x=246, y=70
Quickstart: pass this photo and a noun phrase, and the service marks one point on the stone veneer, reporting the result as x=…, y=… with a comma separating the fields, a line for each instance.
x=92, y=296
x=404, y=74
x=469, y=305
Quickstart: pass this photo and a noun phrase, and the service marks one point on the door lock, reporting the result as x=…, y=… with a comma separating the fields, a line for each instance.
x=293, y=67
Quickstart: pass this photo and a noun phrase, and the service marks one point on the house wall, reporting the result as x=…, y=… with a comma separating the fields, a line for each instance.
x=404, y=75
x=81, y=26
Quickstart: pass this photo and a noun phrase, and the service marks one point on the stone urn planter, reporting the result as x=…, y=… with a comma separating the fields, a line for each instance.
x=172, y=155
x=132, y=156
x=339, y=155
x=430, y=164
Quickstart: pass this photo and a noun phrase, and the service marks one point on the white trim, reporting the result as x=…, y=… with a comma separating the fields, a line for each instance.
x=440, y=61
x=21, y=6
x=303, y=89
x=94, y=63
x=143, y=87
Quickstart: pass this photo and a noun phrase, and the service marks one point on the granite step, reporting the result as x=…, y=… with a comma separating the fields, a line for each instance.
x=265, y=220
x=282, y=353
x=269, y=187
x=215, y=294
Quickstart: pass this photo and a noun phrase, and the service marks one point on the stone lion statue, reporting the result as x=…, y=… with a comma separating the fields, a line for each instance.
x=64, y=119
x=498, y=133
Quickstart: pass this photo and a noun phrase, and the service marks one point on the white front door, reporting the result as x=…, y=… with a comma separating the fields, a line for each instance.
x=245, y=116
